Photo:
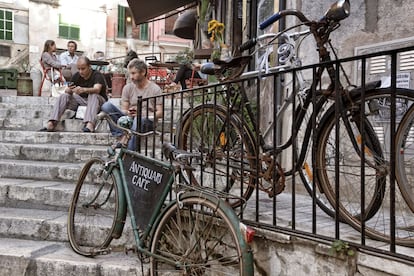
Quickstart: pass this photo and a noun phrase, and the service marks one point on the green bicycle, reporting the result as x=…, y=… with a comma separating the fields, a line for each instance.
x=191, y=232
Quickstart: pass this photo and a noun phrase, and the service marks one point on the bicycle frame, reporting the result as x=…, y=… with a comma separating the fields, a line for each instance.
x=119, y=167
x=125, y=198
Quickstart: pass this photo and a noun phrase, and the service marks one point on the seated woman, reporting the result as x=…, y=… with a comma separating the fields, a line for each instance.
x=50, y=60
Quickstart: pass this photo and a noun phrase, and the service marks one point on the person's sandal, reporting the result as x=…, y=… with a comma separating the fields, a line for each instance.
x=87, y=129
x=49, y=129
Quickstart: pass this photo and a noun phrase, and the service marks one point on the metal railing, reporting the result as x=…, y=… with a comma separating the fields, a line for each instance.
x=237, y=150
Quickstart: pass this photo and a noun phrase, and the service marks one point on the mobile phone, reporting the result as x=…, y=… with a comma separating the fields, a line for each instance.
x=70, y=83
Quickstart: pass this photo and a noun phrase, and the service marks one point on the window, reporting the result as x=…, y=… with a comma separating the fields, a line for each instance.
x=6, y=25
x=379, y=67
x=68, y=30
x=143, y=32
x=5, y=51
x=126, y=25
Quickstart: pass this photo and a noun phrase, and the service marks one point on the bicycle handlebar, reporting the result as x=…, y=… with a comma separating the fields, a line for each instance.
x=104, y=116
x=338, y=11
x=272, y=19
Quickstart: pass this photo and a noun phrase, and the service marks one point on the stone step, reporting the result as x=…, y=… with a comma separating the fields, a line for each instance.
x=47, y=225
x=36, y=194
x=41, y=170
x=43, y=258
x=54, y=170
x=51, y=152
x=26, y=100
x=35, y=121
x=37, y=137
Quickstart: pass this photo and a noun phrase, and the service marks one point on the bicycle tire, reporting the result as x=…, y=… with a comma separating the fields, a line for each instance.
x=404, y=157
x=95, y=212
x=306, y=170
x=228, y=162
x=376, y=212
x=201, y=233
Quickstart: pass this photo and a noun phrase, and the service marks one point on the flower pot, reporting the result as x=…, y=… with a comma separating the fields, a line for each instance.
x=118, y=82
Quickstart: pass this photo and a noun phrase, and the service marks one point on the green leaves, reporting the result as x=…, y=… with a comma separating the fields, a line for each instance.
x=339, y=247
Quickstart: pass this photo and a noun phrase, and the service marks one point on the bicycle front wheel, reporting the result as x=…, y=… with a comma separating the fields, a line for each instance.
x=226, y=148
x=95, y=212
x=199, y=235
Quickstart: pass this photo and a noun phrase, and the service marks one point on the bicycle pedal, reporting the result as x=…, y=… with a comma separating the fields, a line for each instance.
x=105, y=251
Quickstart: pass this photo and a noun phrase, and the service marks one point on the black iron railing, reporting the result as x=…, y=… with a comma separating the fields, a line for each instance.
x=324, y=161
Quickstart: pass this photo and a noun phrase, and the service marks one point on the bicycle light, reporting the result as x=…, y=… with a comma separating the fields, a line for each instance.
x=247, y=232
x=125, y=122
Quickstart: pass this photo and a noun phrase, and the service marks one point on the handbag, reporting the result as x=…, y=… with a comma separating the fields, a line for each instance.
x=58, y=90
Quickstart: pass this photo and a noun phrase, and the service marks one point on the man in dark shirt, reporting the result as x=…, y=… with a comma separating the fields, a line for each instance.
x=87, y=88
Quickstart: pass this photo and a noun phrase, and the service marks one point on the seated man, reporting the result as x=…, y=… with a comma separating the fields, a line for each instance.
x=88, y=89
x=68, y=59
x=138, y=86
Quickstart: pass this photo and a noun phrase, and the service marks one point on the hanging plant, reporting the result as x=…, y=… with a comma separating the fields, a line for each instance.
x=216, y=31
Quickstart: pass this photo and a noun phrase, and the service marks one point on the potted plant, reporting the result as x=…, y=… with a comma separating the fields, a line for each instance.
x=118, y=79
x=24, y=81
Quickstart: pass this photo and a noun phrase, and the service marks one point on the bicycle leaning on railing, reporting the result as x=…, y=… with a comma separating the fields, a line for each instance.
x=346, y=150
x=196, y=233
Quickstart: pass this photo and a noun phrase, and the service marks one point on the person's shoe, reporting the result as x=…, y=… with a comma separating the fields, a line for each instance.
x=88, y=127
x=51, y=125
x=85, y=129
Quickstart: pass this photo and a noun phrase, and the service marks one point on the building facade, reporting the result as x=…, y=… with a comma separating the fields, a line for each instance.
x=105, y=26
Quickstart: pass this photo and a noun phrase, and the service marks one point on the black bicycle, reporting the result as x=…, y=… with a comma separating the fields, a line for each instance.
x=336, y=148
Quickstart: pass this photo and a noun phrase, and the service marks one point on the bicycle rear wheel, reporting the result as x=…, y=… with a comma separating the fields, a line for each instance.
x=226, y=148
x=95, y=213
x=373, y=173
x=199, y=235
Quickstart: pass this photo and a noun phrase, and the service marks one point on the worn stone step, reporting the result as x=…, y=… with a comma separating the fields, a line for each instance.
x=43, y=258
x=42, y=170
x=35, y=123
x=53, y=170
x=51, y=152
x=51, y=225
x=37, y=137
x=26, y=100
x=36, y=194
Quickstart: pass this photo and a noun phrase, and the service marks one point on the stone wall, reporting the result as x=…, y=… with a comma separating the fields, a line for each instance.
x=280, y=254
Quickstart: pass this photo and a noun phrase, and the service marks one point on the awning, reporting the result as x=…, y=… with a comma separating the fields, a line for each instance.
x=149, y=9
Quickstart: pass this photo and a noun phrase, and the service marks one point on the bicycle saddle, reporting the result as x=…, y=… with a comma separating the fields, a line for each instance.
x=211, y=68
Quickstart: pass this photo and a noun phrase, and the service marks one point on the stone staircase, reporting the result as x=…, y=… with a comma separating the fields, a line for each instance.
x=38, y=172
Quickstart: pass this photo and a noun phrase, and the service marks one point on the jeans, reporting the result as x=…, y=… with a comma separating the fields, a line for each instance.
x=115, y=113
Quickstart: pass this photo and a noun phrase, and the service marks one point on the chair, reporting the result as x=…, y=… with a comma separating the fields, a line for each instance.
x=48, y=74
x=151, y=59
x=194, y=82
